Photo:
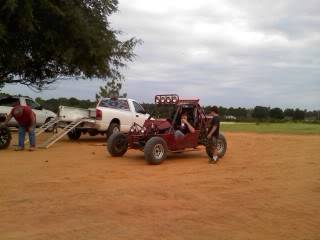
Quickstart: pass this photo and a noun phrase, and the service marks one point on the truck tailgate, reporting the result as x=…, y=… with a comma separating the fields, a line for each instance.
x=70, y=114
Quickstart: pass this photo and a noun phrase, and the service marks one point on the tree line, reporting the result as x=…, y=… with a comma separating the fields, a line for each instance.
x=258, y=113
x=241, y=114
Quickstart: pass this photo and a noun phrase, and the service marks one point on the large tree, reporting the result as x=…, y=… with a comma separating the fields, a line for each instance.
x=44, y=40
x=111, y=89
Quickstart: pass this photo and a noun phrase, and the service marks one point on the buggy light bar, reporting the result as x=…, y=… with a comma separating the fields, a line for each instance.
x=166, y=99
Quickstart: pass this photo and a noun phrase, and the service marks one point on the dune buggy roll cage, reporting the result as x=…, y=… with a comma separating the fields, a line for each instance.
x=173, y=99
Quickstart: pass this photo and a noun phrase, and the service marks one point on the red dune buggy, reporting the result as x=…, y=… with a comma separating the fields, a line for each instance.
x=157, y=136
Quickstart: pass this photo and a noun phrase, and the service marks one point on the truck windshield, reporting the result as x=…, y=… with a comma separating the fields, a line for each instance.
x=115, y=103
x=32, y=104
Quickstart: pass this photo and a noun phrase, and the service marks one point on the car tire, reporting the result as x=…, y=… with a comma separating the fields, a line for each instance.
x=155, y=151
x=117, y=144
x=50, y=129
x=74, y=134
x=113, y=128
x=221, y=145
x=5, y=137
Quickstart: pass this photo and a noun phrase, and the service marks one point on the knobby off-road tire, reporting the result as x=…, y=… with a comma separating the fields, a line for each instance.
x=221, y=145
x=117, y=144
x=74, y=134
x=113, y=128
x=155, y=151
x=5, y=137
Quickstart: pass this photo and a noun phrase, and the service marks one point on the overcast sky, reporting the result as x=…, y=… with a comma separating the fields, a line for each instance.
x=226, y=52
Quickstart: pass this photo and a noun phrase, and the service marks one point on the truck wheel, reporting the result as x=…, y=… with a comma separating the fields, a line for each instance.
x=113, y=128
x=117, y=144
x=5, y=137
x=155, y=151
x=221, y=145
x=74, y=134
x=50, y=129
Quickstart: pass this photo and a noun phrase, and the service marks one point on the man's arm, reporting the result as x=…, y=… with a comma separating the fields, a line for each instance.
x=191, y=129
x=33, y=119
x=212, y=131
x=8, y=119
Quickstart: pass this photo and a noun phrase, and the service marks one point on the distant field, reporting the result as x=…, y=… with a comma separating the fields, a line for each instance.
x=293, y=128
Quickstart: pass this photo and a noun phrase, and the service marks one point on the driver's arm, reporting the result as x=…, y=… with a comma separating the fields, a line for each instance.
x=191, y=129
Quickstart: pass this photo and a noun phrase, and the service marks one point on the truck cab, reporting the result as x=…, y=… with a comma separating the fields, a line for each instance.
x=42, y=115
x=119, y=114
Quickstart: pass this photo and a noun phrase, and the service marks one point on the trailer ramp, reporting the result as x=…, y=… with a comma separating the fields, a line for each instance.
x=57, y=136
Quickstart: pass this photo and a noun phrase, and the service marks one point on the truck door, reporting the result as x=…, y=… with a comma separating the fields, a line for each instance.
x=140, y=114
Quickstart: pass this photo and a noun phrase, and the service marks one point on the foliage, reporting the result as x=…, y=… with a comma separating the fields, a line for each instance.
x=276, y=113
x=164, y=111
x=111, y=89
x=289, y=113
x=44, y=40
x=260, y=112
x=298, y=114
x=53, y=104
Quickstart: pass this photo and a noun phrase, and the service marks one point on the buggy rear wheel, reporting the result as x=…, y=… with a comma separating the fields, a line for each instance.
x=5, y=137
x=155, y=151
x=221, y=145
x=117, y=144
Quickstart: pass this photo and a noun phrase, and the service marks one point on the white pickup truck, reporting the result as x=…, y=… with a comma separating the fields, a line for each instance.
x=42, y=115
x=111, y=115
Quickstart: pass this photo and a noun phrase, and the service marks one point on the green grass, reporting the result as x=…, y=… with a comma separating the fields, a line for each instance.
x=291, y=128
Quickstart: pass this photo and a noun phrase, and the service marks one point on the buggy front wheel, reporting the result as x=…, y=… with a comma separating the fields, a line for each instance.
x=155, y=150
x=221, y=145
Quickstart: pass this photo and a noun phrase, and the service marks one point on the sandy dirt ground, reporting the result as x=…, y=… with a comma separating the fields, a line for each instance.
x=266, y=187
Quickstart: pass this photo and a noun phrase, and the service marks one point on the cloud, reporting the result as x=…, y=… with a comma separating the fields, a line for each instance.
x=227, y=52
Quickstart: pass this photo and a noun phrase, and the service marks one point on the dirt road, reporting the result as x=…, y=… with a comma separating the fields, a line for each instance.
x=266, y=187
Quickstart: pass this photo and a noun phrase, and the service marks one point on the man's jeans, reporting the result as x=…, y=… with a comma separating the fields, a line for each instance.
x=211, y=146
x=22, y=134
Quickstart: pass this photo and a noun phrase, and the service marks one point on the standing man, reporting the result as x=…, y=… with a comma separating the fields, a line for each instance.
x=27, y=123
x=213, y=136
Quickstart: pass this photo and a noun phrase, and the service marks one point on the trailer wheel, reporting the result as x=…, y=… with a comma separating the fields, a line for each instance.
x=117, y=144
x=221, y=145
x=113, y=128
x=74, y=134
x=155, y=150
x=5, y=137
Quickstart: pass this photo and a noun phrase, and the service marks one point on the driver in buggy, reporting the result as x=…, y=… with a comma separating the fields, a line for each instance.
x=184, y=127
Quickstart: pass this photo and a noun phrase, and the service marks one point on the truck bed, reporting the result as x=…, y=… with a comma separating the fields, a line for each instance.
x=70, y=114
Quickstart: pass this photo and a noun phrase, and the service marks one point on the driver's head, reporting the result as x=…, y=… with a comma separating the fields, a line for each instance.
x=184, y=115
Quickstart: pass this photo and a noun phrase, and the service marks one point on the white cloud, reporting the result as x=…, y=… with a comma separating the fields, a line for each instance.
x=227, y=52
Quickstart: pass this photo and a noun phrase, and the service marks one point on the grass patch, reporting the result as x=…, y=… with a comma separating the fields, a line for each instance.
x=289, y=127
